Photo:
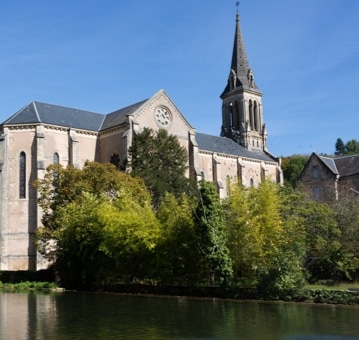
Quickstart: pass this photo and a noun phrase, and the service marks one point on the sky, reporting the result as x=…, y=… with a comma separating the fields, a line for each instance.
x=102, y=55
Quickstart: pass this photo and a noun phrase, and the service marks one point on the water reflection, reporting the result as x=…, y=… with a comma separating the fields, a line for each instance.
x=109, y=316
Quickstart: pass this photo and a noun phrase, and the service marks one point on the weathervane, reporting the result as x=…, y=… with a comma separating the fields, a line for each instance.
x=237, y=4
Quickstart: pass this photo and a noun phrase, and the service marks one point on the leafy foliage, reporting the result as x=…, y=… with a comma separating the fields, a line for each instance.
x=326, y=257
x=340, y=147
x=292, y=167
x=77, y=232
x=160, y=161
x=265, y=245
x=177, y=253
x=99, y=225
x=349, y=148
x=212, y=236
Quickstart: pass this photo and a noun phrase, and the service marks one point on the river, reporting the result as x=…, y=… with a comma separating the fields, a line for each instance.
x=76, y=315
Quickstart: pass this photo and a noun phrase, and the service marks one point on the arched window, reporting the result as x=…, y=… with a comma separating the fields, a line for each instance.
x=115, y=160
x=22, y=175
x=251, y=183
x=55, y=158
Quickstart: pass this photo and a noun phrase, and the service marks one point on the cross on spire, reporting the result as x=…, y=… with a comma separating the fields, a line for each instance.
x=237, y=14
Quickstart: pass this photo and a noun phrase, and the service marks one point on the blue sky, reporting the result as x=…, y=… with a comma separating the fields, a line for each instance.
x=101, y=55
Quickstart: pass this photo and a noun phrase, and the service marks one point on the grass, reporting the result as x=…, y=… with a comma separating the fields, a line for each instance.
x=27, y=286
x=334, y=286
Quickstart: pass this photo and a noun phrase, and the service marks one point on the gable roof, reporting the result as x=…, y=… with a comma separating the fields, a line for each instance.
x=42, y=113
x=119, y=117
x=226, y=145
x=37, y=112
x=347, y=165
x=329, y=163
x=342, y=166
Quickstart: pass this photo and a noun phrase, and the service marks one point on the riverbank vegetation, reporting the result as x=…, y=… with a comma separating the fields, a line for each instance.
x=28, y=286
x=103, y=226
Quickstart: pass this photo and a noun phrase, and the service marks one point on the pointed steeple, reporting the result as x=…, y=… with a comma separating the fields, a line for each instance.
x=241, y=75
x=242, y=110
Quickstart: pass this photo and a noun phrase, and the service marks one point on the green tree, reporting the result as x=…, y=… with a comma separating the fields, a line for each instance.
x=347, y=216
x=265, y=241
x=212, y=235
x=349, y=148
x=102, y=239
x=352, y=147
x=78, y=254
x=292, y=167
x=131, y=232
x=177, y=253
x=64, y=190
x=340, y=147
x=325, y=256
x=160, y=161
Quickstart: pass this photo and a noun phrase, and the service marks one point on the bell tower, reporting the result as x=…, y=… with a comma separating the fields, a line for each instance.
x=242, y=111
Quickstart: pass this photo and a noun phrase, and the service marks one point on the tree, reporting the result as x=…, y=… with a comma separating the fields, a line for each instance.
x=349, y=148
x=340, y=147
x=160, y=161
x=347, y=216
x=77, y=244
x=265, y=242
x=131, y=233
x=292, y=167
x=177, y=253
x=325, y=256
x=74, y=204
x=61, y=186
x=352, y=147
x=212, y=236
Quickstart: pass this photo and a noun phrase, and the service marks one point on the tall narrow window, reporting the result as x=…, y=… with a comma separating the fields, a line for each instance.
x=251, y=114
x=255, y=116
x=56, y=158
x=251, y=183
x=315, y=171
x=317, y=193
x=22, y=178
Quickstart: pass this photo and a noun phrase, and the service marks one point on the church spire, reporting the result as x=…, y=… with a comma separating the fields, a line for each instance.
x=241, y=75
x=242, y=111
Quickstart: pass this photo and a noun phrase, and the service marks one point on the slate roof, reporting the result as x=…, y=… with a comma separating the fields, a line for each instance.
x=42, y=113
x=118, y=117
x=228, y=146
x=343, y=166
x=330, y=163
x=37, y=112
x=240, y=64
x=348, y=165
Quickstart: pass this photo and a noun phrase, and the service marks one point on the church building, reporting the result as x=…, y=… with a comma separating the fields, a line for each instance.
x=41, y=134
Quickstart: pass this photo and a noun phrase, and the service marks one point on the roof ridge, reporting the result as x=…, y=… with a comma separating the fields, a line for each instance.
x=332, y=160
x=346, y=156
x=16, y=113
x=36, y=111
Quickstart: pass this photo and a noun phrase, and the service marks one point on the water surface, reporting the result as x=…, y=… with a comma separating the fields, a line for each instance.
x=74, y=315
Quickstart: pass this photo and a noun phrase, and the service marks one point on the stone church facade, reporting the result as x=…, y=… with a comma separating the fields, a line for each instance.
x=41, y=134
